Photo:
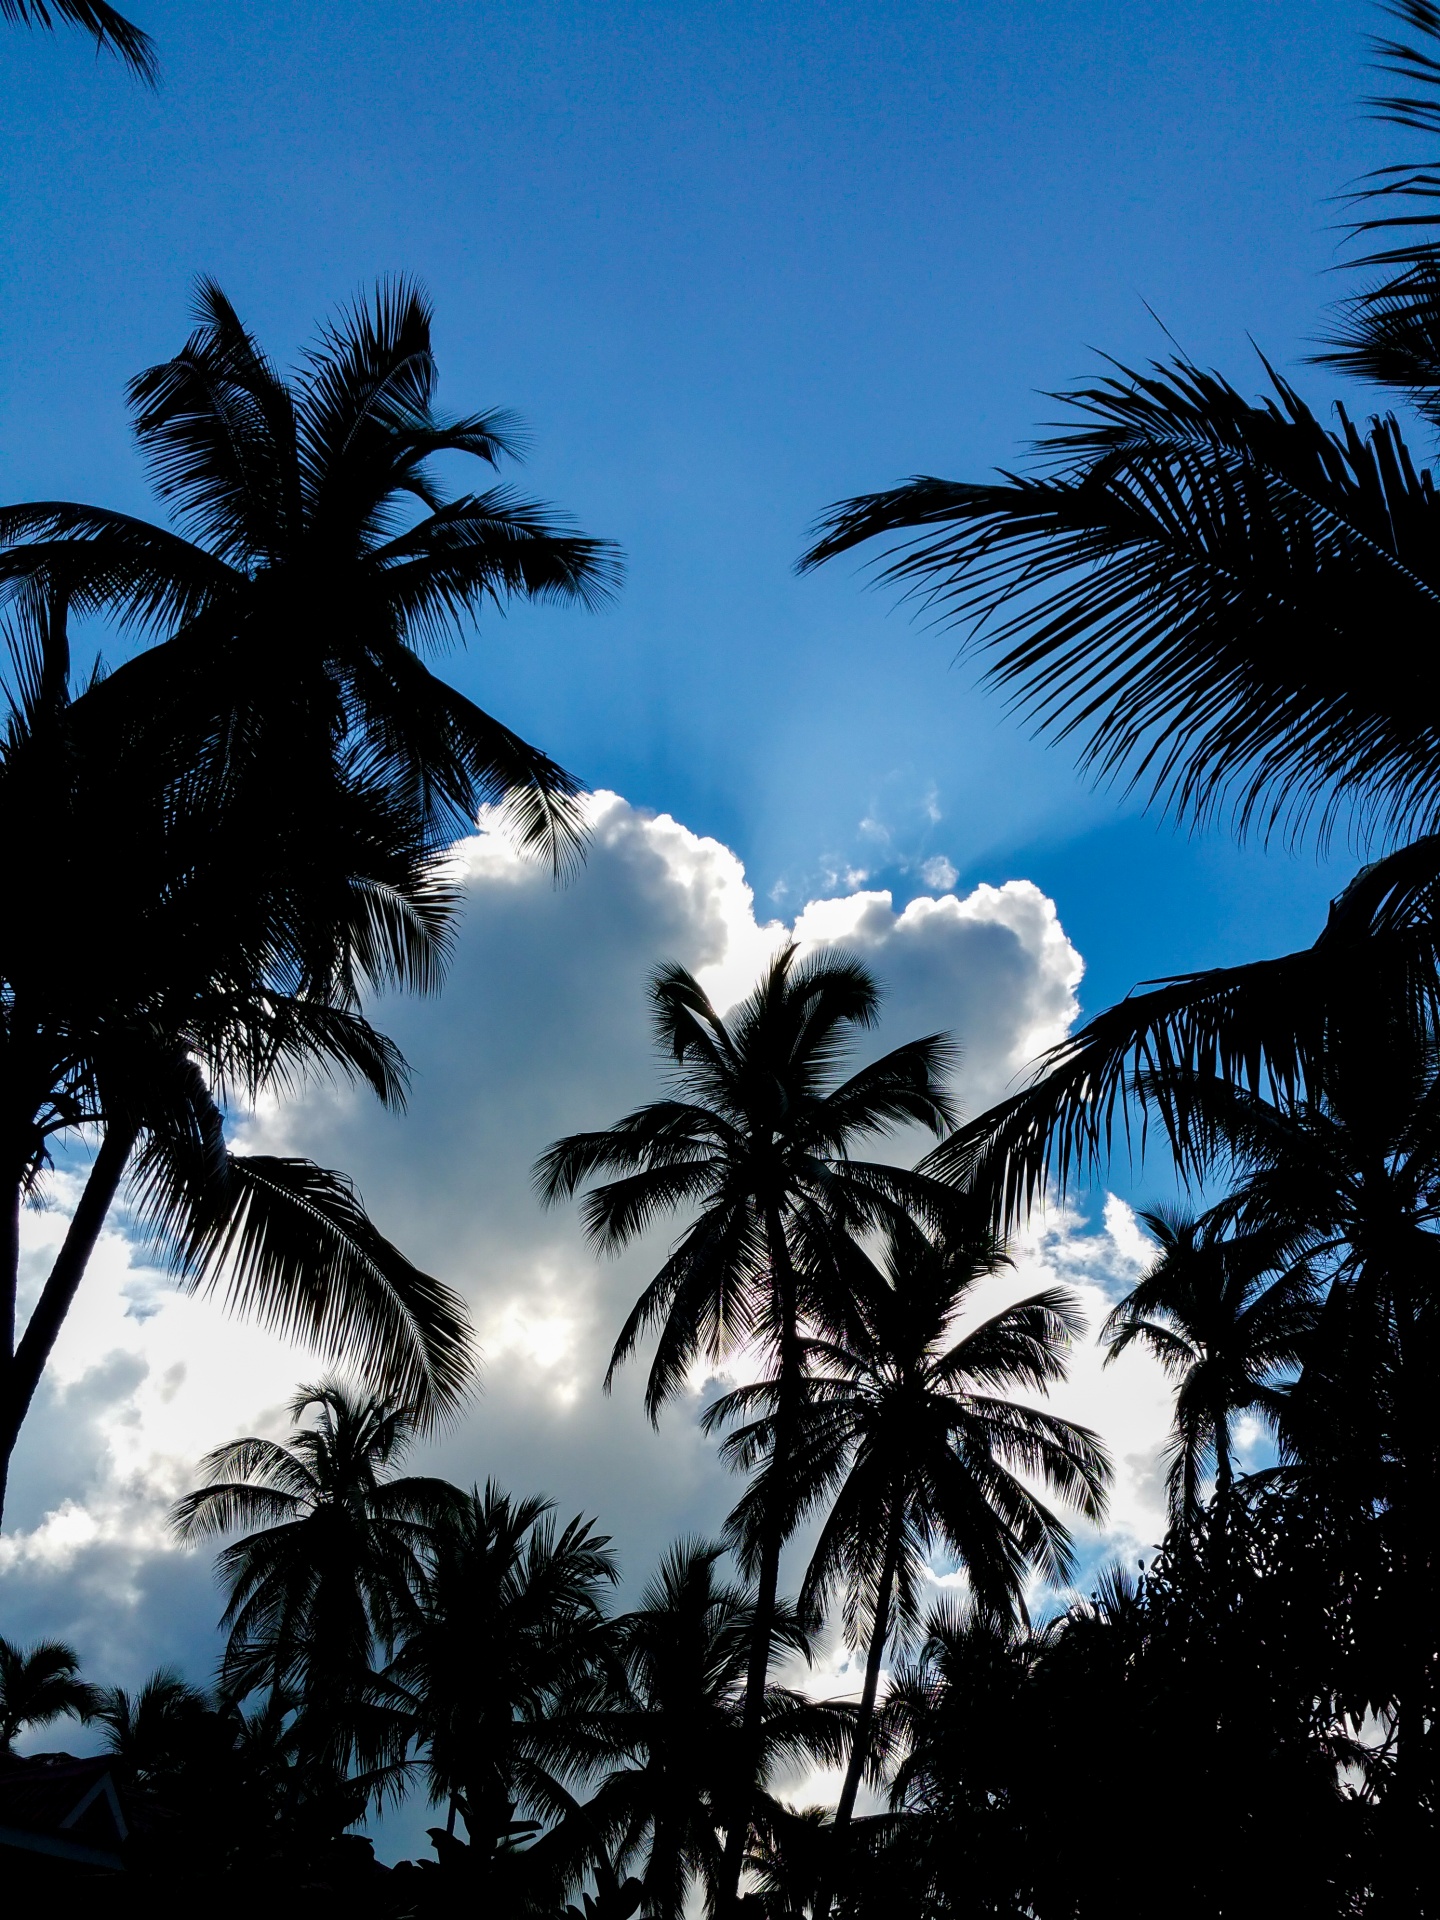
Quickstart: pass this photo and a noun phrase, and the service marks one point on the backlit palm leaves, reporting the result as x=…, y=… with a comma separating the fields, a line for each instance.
x=669, y=1739
x=1228, y=1315
x=328, y=1573
x=322, y=552
x=509, y=1617
x=755, y=1145
x=249, y=816
x=1221, y=599
x=910, y=1442
x=38, y=1685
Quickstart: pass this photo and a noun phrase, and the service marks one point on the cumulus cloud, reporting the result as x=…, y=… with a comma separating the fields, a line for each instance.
x=542, y=1030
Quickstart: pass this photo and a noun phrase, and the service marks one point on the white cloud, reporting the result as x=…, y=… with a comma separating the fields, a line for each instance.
x=939, y=873
x=542, y=1030
x=994, y=967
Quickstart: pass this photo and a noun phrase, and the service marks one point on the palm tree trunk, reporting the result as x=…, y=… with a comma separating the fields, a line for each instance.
x=9, y=1268
x=771, y=1547
x=23, y=1368
x=879, y=1636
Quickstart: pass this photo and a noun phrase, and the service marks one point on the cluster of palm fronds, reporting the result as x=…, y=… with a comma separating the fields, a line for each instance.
x=245, y=823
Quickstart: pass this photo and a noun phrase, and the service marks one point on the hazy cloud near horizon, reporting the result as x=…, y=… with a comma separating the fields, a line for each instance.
x=542, y=1030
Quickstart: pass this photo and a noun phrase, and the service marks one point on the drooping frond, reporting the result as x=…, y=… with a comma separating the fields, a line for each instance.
x=1267, y=1026
x=1214, y=597
x=289, y=1244
x=111, y=31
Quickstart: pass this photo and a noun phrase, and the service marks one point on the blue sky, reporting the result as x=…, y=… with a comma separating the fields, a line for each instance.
x=731, y=262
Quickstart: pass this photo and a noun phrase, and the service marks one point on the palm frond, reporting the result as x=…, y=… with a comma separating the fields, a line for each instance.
x=111, y=31
x=217, y=428
x=1265, y=1026
x=290, y=1245
x=1180, y=589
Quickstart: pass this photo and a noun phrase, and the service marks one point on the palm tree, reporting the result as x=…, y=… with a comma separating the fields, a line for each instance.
x=111, y=31
x=907, y=1431
x=1225, y=1314
x=956, y=1729
x=325, y=553
x=1350, y=1179
x=37, y=1685
x=148, y=1733
x=328, y=1573
x=787, y=1859
x=757, y=1140
x=509, y=1616
x=1269, y=1025
x=669, y=1729
x=270, y=785
x=1189, y=585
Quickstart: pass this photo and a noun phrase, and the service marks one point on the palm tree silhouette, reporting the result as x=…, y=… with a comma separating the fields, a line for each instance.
x=273, y=783
x=509, y=1617
x=757, y=1139
x=111, y=31
x=1225, y=1314
x=39, y=1684
x=148, y=1731
x=906, y=1430
x=327, y=1575
x=237, y=965
x=669, y=1728
x=1188, y=585
x=960, y=1727
x=325, y=553
x=1350, y=1178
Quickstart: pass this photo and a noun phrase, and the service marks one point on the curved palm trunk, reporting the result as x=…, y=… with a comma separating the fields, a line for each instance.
x=21, y=1370
x=879, y=1636
x=771, y=1546
x=859, y=1751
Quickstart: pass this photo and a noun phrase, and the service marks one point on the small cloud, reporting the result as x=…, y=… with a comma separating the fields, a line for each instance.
x=870, y=829
x=1133, y=1245
x=780, y=891
x=939, y=873
x=930, y=805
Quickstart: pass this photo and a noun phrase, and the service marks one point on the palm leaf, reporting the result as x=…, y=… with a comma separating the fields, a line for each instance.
x=111, y=31
x=1181, y=589
x=1265, y=1026
x=292, y=1247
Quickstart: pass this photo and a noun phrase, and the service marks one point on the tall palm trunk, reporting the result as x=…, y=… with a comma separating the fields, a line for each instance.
x=9, y=1266
x=879, y=1636
x=859, y=1751
x=771, y=1546
x=22, y=1367
x=1224, y=1463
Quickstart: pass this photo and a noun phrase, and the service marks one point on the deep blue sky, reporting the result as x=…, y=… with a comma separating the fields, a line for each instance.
x=731, y=262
